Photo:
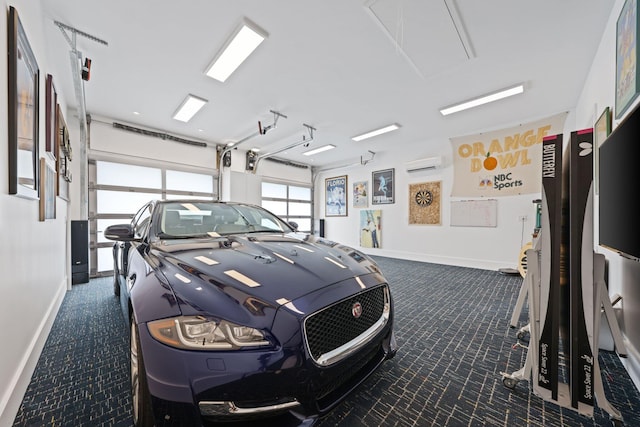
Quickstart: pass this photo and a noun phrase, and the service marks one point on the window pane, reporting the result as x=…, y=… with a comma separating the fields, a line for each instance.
x=274, y=190
x=187, y=181
x=108, y=173
x=105, y=259
x=182, y=196
x=124, y=202
x=299, y=208
x=278, y=208
x=299, y=193
x=304, y=224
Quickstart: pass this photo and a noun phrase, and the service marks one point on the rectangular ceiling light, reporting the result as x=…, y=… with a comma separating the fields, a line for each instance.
x=485, y=99
x=189, y=107
x=243, y=41
x=376, y=132
x=319, y=150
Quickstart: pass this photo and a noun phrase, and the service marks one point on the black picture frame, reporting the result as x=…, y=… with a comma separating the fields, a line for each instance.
x=51, y=97
x=24, y=79
x=383, y=187
x=627, y=67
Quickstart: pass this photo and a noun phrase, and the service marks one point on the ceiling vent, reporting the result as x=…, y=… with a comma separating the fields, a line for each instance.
x=424, y=164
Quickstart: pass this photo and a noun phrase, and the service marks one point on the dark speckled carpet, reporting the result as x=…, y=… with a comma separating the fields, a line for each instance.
x=452, y=325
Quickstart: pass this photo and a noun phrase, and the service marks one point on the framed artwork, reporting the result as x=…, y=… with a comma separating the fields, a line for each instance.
x=64, y=155
x=50, y=118
x=601, y=131
x=425, y=203
x=383, y=187
x=24, y=75
x=361, y=194
x=370, y=230
x=336, y=196
x=48, y=178
x=627, y=77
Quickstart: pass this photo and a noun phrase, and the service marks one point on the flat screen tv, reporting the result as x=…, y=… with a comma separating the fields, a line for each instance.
x=619, y=181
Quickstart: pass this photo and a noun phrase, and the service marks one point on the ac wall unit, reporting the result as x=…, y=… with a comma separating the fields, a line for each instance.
x=424, y=164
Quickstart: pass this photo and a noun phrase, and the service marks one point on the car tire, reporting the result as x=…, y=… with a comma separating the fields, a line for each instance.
x=140, y=397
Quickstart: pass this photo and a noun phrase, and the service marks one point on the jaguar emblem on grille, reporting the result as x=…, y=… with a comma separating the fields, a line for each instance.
x=356, y=310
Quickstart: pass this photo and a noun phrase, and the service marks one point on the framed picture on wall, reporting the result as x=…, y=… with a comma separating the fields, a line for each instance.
x=47, y=190
x=627, y=72
x=360, y=194
x=51, y=98
x=601, y=131
x=24, y=76
x=336, y=196
x=382, y=187
x=64, y=155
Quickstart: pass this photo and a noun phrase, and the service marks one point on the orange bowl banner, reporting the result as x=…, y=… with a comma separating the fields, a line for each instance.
x=505, y=162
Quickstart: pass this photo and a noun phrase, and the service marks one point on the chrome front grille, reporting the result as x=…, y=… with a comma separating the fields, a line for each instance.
x=340, y=329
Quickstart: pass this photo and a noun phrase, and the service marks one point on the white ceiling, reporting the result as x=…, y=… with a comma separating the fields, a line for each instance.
x=341, y=66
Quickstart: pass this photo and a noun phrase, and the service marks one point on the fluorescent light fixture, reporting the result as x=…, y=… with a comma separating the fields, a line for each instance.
x=376, y=132
x=189, y=107
x=504, y=93
x=244, y=40
x=319, y=150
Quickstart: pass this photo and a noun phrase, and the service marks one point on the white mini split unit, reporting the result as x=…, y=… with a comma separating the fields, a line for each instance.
x=424, y=164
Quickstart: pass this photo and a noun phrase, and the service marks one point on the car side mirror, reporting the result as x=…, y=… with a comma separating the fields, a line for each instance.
x=294, y=225
x=119, y=232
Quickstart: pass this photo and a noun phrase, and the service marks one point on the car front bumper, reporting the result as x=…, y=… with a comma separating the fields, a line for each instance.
x=193, y=387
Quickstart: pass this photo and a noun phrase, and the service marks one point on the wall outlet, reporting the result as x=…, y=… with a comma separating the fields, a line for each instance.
x=522, y=218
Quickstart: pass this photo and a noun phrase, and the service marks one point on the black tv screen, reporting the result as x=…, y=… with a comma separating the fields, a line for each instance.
x=618, y=182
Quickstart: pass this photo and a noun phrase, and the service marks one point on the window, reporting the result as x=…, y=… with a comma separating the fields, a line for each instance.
x=118, y=190
x=290, y=202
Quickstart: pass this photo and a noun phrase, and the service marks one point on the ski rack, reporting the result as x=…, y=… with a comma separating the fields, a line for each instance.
x=531, y=288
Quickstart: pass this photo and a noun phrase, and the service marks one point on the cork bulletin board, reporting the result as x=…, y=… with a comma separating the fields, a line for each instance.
x=425, y=203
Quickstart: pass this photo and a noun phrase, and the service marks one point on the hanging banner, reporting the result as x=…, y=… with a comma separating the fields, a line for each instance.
x=504, y=162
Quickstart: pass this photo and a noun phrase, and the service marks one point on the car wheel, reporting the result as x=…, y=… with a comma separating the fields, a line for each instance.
x=141, y=400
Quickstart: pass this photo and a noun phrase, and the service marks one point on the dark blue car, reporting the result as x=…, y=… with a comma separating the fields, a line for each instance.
x=236, y=316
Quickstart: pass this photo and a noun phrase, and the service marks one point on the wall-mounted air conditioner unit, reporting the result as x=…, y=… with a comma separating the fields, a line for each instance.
x=424, y=164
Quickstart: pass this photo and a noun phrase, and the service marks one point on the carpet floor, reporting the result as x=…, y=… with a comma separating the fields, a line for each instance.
x=452, y=327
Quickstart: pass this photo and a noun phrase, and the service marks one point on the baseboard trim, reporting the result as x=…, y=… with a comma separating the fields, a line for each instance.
x=14, y=393
x=437, y=259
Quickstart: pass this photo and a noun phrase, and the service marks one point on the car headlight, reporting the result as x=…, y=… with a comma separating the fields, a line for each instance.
x=200, y=333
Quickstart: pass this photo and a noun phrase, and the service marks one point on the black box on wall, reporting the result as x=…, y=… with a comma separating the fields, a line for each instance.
x=79, y=251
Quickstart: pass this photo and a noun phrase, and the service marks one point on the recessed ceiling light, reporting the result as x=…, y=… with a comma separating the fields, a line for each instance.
x=189, y=107
x=136, y=113
x=319, y=150
x=376, y=132
x=245, y=39
x=484, y=99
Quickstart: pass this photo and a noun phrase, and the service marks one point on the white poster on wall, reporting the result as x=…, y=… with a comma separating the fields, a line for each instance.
x=505, y=162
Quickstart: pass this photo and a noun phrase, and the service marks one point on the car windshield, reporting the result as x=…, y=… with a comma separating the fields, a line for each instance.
x=211, y=219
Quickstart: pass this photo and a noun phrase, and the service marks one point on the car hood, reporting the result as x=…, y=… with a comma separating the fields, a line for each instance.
x=270, y=268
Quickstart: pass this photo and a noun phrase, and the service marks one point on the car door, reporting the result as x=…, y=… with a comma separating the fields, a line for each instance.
x=131, y=253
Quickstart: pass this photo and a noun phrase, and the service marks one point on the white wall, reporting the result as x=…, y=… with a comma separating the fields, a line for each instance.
x=33, y=253
x=479, y=247
x=624, y=275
